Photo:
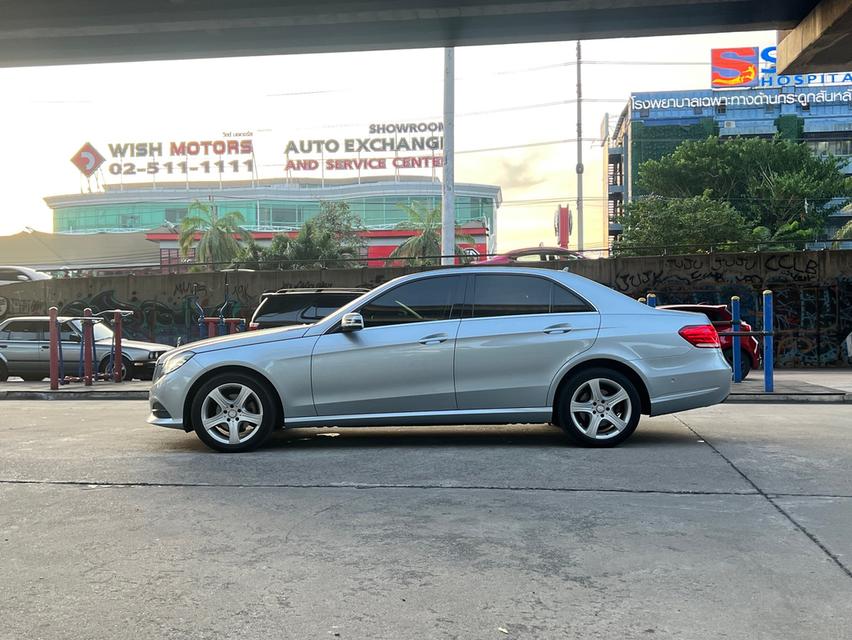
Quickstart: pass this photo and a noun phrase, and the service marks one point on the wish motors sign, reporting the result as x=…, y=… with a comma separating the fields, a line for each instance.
x=743, y=67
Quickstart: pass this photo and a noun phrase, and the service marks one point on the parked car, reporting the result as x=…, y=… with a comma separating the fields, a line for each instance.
x=14, y=275
x=25, y=349
x=531, y=256
x=722, y=319
x=287, y=307
x=457, y=346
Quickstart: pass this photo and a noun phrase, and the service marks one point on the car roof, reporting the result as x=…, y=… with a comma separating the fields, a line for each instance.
x=538, y=250
x=38, y=318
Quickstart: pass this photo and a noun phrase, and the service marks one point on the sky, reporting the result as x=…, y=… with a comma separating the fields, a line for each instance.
x=515, y=96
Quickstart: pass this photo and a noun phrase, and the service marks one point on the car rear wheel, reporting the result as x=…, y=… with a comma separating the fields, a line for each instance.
x=233, y=412
x=4, y=372
x=599, y=408
x=745, y=361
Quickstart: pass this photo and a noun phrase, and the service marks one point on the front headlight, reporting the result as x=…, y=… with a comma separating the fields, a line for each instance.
x=173, y=362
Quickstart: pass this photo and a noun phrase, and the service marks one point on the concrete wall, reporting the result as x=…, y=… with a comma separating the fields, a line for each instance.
x=813, y=294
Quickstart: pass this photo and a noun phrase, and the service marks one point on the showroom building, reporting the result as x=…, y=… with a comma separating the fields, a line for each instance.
x=271, y=207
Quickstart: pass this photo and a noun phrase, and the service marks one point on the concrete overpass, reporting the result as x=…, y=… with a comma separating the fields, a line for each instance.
x=41, y=32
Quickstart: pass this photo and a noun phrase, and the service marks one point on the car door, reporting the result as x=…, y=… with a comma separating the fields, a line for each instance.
x=401, y=361
x=21, y=342
x=522, y=330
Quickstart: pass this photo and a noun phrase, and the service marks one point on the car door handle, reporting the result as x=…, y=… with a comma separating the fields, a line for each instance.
x=558, y=328
x=45, y=346
x=436, y=338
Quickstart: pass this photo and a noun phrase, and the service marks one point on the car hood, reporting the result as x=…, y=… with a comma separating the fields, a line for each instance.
x=245, y=338
x=136, y=344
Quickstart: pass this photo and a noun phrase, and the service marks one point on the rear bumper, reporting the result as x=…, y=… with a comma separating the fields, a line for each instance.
x=693, y=383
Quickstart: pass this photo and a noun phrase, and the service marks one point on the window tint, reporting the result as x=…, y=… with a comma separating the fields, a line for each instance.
x=510, y=296
x=523, y=295
x=420, y=301
x=26, y=330
x=326, y=305
x=566, y=302
x=9, y=274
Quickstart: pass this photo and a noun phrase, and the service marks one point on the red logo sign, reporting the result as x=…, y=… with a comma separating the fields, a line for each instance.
x=737, y=67
x=87, y=159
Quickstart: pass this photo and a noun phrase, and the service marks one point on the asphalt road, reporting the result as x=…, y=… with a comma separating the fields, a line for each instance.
x=730, y=522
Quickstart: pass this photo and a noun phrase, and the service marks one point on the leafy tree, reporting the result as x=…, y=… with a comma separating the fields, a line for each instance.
x=788, y=237
x=683, y=224
x=220, y=235
x=316, y=247
x=772, y=183
x=423, y=248
x=250, y=256
x=345, y=227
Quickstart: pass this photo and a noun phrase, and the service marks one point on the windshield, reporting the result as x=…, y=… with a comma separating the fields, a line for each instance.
x=100, y=329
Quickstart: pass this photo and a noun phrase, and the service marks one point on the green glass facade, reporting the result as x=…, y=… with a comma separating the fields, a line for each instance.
x=267, y=214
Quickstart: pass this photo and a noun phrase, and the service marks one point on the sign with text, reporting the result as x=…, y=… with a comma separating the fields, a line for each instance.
x=742, y=67
x=422, y=144
x=231, y=154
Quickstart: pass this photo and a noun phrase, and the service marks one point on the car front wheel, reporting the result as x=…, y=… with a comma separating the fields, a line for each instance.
x=233, y=412
x=599, y=408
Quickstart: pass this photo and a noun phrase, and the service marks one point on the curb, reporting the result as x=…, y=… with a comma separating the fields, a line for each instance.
x=789, y=398
x=74, y=395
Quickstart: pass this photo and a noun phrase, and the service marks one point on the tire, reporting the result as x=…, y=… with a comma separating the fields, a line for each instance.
x=589, y=392
x=220, y=404
x=104, y=367
x=745, y=361
x=4, y=372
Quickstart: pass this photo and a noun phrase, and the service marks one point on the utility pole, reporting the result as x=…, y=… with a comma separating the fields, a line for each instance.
x=448, y=188
x=579, y=151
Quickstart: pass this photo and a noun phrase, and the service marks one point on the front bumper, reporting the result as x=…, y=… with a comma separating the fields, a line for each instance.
x=167, y=397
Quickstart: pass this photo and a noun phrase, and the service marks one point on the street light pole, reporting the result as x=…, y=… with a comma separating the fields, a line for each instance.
x=448, y=190
x=579, y=151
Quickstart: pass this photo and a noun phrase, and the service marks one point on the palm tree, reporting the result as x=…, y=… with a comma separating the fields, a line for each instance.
x=220, y=235
x=423, y=248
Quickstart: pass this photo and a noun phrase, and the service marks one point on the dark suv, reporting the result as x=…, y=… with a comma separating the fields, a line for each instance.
x=288, y=307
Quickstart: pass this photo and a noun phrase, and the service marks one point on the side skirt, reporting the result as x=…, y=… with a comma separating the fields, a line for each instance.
x=425, y=418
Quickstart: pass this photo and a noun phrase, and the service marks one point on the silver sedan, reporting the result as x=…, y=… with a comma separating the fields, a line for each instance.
x=486, y=345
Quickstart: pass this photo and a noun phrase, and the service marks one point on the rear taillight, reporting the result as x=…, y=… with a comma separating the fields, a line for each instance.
x=701, y=335
x=253, y=326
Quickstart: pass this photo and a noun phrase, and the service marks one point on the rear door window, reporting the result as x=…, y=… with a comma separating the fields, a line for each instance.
x=27, y=330
x=510, y=295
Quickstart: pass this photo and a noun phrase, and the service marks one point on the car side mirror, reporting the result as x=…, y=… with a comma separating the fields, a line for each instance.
x=74, y=338
x=23, y=278
x=352, y=322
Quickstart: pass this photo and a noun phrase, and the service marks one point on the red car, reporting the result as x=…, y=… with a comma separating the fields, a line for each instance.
x=721, y=318
x=532, y=255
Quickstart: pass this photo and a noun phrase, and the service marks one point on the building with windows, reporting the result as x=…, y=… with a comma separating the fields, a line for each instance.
x=271, y=207
x=653, y=124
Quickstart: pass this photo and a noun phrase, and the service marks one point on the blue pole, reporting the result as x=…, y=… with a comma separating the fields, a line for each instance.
x=768, y=339
x=736, y=326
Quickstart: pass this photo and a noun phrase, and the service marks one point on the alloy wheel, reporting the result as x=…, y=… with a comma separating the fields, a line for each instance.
x=600, y=408
x=231, y=413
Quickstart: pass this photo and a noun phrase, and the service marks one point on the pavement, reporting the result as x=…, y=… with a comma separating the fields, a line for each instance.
x=726, y=522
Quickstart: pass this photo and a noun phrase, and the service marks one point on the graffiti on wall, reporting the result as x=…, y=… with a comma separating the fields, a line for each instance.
x=813, y=315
